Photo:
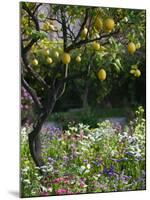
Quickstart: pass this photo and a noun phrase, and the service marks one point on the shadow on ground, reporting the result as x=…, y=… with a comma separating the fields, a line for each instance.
x=14, y=193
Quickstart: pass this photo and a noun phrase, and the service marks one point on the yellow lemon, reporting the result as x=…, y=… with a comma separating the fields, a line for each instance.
x=102, y=74
x=46, y=52
x=132, y=71
x=56, y=54
x=109, y=24
x=137, y=73
x=35, y=62
x=84, y=32
x=131, y=48
x=66, y=58
x=138, y=45
x=78, y=59
x=96, y=46
x=49, y=60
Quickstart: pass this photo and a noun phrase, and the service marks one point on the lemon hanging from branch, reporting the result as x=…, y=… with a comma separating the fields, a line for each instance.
x=49, y=60
x=46, y=52
x=96, y=46
x=137, y=73
x=35, y=62
x=66, y=58
x=138, y=45
x=56, y=54
x=109, y=24
x=131, y=48
x=78, y=59
x=102, y=74
x=84, y=33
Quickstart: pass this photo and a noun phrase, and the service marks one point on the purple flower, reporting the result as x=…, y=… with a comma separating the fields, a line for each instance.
x=110, y=171
x=85, y=161
x=65, y=158
x=119, y=160
x=129, y=153
x=105, y=170
x=51, y=160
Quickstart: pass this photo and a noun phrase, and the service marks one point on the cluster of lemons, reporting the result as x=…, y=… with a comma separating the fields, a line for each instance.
x=131, y=49
x=49, y=59
x=107, y=26
x=135, y=71
x=98, y=25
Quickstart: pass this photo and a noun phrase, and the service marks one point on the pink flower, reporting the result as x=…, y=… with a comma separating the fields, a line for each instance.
x=49, y=189
x=66, y=181
x=58, y=180
x=81, y=185
x=61, y=191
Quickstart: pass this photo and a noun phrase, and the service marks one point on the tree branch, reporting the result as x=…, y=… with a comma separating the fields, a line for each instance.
x=64, y=29
x=32, y=92
x=34, y=74
x=28, y=47
x=37, y=7
x=86, y=41
x=37, y=27
x=62, y=86
x=25, y=7
x=82, y=26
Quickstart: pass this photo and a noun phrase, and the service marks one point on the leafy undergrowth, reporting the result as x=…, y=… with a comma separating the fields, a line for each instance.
x=84, y=160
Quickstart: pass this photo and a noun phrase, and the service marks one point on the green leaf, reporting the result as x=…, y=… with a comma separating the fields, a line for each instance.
x=38, y=35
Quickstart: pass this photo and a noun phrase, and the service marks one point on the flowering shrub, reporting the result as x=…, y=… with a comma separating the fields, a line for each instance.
x=84, y=160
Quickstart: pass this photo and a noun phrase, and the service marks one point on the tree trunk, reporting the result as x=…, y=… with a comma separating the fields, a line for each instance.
x=34, y=138
x=35, y=143
x=35, y=148
x=85, y=95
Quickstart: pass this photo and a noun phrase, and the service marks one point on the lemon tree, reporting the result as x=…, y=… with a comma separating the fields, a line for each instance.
x=93, y=46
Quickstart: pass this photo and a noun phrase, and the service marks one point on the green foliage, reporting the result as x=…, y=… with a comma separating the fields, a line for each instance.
x=29, y=173
x=38, y=35
x=112, y=56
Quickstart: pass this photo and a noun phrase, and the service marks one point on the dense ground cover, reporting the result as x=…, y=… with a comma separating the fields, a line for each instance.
x=81, y=159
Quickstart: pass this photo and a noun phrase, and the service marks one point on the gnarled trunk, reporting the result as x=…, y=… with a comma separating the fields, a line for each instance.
x=35, y=148
x=34, y=137
x=35, y=143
